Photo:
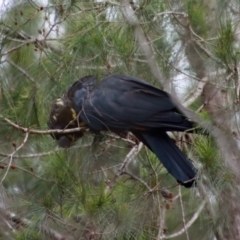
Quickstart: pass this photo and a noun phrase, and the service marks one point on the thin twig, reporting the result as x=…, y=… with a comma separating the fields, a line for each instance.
x=105, y=169
x=119, y=137
x=41, y=154
x=183, y=212
x=185, y=15
x=44, y=132
x=188, y=224
x=138, y=179
x=161, y=219
x=130, y=156
x=191, y=98
x=143, y=42
x=22, y=71
x=11, y=156
x=21, y=221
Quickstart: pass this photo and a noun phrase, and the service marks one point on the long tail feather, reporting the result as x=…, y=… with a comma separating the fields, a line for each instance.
x=173, y=159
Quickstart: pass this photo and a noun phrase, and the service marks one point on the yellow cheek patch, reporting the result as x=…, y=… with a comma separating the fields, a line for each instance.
x=54, y=118
x=82, y=124
x=74, y=115
x=59, y=102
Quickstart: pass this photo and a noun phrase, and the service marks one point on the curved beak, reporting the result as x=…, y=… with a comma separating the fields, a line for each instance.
x=65, y=142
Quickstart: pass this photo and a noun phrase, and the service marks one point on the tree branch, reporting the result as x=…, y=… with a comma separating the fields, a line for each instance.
x=183, y=212
x=143, y=42
x=20, y=221
x=130, y=156
x=11, y=156
x=43, y=132
x=188, y=224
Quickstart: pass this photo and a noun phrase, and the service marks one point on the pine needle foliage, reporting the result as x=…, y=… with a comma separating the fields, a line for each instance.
x=197, y=17
x=224, y=45
x=78, y=193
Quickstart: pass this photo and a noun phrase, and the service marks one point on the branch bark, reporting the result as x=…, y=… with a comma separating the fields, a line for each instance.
x=143, y=42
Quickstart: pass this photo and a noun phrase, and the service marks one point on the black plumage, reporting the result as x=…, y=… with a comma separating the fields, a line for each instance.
x=125, y=103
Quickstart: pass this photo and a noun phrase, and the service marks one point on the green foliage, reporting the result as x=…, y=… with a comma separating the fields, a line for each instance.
x=224, y=49
x=197, y=16
x=208, y=154
x=76, y=192
x=204, y=115
x=28, y=234
x=206, y=151
x=115, y=38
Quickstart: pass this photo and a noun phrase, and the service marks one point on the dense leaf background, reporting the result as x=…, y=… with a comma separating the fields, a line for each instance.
x=189, y=48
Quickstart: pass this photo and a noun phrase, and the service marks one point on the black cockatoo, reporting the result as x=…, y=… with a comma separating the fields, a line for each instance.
x=124, y=103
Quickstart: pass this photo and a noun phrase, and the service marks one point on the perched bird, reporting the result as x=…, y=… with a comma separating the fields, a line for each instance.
x=124, y=103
